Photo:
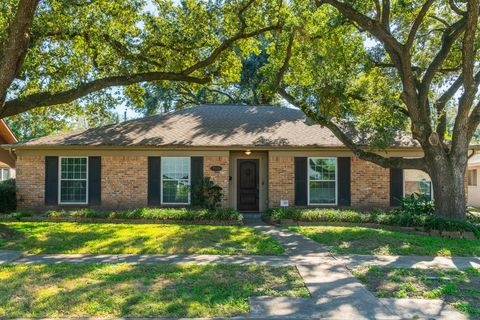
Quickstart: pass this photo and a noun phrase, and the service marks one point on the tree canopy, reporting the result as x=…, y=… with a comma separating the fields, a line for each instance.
x=69, y=55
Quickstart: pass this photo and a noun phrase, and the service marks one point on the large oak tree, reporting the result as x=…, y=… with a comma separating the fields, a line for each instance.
x=370, y=70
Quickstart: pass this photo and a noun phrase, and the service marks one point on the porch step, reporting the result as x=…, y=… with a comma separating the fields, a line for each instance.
x=254, y=218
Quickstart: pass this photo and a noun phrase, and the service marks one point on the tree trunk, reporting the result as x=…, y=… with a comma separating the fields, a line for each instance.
x=448, y=181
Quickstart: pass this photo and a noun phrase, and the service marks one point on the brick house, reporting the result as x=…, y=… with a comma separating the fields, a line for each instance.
x=261, y=156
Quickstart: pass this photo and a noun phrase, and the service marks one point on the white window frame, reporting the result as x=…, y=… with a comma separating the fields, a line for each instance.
x=189, y=181
x=474, y=174
x=336, y=182
x=60, y=181
x=9, y=174
x=404, y=181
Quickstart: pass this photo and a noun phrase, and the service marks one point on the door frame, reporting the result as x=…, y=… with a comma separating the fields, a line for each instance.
x=257, y=178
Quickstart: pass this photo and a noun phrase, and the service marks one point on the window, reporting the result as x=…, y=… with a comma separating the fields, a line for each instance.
x=417, y=181
x=322, y=181
x=4, y=174
x=73, y=180
x=472, y=177
x=175, y=180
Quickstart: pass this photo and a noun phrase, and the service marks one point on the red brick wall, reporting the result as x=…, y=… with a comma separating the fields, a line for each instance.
x=221, y=177
x=370, y=185
x=124, y=182
x=30, y=182
x=281, y=180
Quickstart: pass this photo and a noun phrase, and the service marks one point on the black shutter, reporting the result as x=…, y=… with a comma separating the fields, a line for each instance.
x=51, y=181
x=396, y=186
x=196, y=171
x=154, y=180
x=301, y=181
x=94, y=180
x=343, y=181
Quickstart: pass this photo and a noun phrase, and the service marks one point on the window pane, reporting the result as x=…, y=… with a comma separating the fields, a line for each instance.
x=175, y=179
x=175, y=168
x=4, y=174
x=175, y=191
x=73, y=180
x=74, y=168
x=73, y=191
x=417, y=181
x=322, y=169
x=322, y=192
x=472, y=177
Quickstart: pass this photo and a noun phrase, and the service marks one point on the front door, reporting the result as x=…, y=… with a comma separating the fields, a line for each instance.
x=247, y=185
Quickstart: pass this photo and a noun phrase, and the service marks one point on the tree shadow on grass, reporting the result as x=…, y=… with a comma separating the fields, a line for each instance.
x=138, y=290
x=193, y=239
x=382, y=242
x=52, y=237
x=7, y=233
x=139, y=239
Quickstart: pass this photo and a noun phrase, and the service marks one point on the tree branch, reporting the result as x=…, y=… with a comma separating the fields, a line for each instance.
x=450, y=35
x=379, y=30
x=378, y=10
x=461, y=129
x=455, y=8
x=385, y=20
x=13, y=52
x=417, y=22
x=43, y=99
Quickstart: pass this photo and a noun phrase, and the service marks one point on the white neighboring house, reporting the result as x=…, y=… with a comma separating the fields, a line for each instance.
x=7, y=158
x=473, y=181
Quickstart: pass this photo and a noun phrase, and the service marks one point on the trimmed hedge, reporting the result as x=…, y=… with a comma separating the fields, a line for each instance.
x=153, y=214
x=8, y=199
x=392, y=218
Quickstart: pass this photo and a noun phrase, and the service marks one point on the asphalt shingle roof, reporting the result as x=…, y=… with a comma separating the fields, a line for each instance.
x=209, y=126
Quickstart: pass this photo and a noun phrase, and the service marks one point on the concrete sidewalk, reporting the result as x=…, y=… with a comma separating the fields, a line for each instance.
x=321, y=259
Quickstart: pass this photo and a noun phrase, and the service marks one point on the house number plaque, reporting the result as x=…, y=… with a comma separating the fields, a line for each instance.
x=216, y=168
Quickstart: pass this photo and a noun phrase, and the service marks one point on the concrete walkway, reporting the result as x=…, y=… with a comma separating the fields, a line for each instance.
x=335, y=292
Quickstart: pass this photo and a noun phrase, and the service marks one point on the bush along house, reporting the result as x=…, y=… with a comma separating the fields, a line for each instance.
x=261, y=157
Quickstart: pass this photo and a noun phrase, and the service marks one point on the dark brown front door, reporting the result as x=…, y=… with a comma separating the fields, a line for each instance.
x=247, y=185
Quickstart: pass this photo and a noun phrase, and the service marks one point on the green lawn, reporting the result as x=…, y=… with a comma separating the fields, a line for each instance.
x=126, y=290
x=360, y=240
x=458, y=288
x=53, y=237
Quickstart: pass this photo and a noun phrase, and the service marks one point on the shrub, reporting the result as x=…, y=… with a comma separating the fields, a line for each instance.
x=8, y=199
x=19, y=215
x=397, y=217
x=443, y=224
x=416, y=204
x=282, y=213
x=153, y=214
x=80, y=213
x=207, y=194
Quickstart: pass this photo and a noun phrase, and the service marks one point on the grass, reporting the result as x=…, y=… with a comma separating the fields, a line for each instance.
x=67, y=237
x=461, y=289
x=125, y=290
x=359, y=240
